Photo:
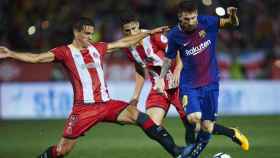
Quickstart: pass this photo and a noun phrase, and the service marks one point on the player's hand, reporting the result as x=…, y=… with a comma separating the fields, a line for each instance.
x=176, y=77
x=4, y=52
x=232, y=11
x=159, y=86
x=159, y=30
x=133, y=102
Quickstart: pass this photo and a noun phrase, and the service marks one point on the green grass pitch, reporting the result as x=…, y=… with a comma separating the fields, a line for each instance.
x=26, y=139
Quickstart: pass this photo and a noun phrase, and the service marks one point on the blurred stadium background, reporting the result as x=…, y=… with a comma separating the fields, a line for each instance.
x=34, y=99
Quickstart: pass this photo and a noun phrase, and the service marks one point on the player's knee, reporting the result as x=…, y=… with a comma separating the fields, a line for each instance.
x=132, y=113
x=194, y=118
x=156, y=119
x=207, y=126
x=64, y=150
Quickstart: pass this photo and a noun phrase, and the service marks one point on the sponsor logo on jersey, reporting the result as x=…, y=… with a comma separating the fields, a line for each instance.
x=187, y=43
x=198, y=49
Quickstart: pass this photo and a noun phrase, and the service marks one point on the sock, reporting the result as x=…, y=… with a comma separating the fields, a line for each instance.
x=202, y=141
x=158, y=134
x=190, y=132
x=50, y=153
x=221, y=130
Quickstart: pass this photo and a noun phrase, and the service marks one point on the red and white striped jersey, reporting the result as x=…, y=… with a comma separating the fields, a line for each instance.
x=85, y=70
x=149, y=54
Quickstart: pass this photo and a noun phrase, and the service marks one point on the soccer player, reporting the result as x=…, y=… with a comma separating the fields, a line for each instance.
x=195, y=39
x=92, y=103
x=148, y=54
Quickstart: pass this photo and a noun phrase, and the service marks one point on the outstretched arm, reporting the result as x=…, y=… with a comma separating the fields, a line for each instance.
x=232, y=20
x=133, y=39
x=44, y=57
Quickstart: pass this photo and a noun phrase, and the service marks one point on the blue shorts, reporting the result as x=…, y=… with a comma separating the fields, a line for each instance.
x=202, y=99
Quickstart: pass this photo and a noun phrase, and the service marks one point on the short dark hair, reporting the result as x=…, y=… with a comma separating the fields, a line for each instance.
x=127, y=17
x=82, y=21
x=186, y=6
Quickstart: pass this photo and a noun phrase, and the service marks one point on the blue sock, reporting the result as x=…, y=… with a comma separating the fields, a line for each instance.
x=202, y=141
x=190, y=133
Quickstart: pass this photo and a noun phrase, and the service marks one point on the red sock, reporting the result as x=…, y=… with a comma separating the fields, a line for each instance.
x=144, y=121
x=54, y=151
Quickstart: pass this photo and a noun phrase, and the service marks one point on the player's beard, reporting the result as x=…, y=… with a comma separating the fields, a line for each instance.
x=191, y=27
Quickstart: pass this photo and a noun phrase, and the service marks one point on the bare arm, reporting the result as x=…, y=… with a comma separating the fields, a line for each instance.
x=44, y=57
x=140, y=79
x=159, y=85
x=165, y=67
x=178, y=68
x=133, y=39
x=232, y=20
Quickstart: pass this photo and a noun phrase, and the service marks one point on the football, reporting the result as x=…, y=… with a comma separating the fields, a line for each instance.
x=221, y=155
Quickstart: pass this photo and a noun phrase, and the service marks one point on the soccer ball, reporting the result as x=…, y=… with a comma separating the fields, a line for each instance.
x=221, y=155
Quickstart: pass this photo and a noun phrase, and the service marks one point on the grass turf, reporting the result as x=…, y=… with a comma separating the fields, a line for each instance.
x=26, y=139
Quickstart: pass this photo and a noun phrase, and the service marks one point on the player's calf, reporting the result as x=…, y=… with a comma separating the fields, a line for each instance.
x=158, y=133
x=222, y=130
x=233, y=134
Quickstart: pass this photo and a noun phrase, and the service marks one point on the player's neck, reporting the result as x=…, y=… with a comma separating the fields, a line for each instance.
x=78, y=45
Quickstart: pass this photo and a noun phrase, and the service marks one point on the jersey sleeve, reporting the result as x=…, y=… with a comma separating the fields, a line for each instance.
x=59, y=53
x=101, y=47
x=172, y=46
x=160, y=40
x=212, y=22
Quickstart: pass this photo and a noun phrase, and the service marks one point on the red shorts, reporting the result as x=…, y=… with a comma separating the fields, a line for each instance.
x=163, y=101
x=85, y=116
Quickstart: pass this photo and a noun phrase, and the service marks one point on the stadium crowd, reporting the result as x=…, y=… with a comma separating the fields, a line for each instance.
x=244, y=53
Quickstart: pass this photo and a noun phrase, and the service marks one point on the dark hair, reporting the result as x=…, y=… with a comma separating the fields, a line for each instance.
x=186, y=6
x=82, y=21
x=127, y=17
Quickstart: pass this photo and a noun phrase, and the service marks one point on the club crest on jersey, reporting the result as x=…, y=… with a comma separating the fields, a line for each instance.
x=202, y=34
x=95, y=55
x=149, y=51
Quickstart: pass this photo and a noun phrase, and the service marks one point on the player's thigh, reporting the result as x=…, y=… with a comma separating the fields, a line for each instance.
x=156, y=100
x=174, y=99
x=209, y=106
x=191, y=101
x=157, y=114
x=65, y=145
